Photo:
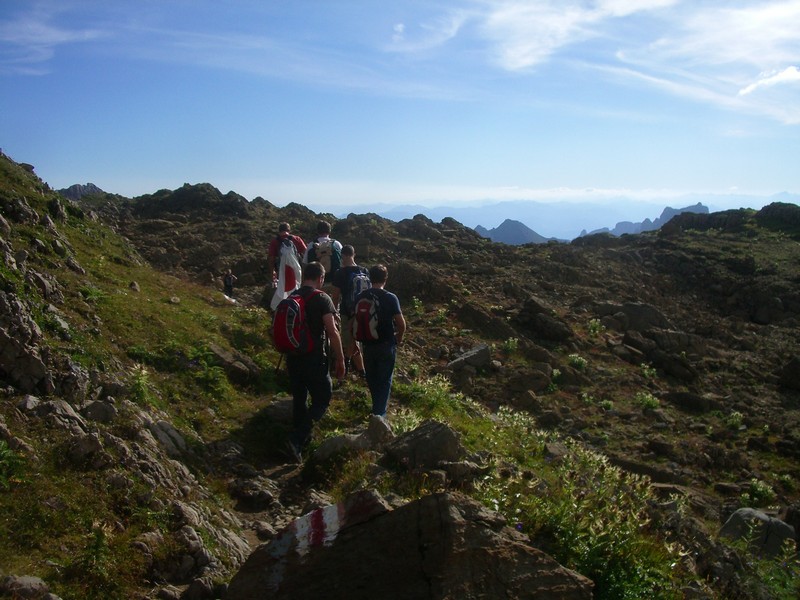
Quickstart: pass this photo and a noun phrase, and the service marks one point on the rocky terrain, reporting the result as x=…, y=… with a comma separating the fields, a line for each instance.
x=673, y=353
x=711, y=303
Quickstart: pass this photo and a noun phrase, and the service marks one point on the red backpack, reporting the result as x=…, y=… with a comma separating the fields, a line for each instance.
x=290, y=331
x=365, y=320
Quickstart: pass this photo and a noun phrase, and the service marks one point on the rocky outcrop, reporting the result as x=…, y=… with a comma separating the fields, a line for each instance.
x=20, y=357
x=441, y=546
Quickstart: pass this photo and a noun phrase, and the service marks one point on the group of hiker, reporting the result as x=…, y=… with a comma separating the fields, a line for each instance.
x=330, y=315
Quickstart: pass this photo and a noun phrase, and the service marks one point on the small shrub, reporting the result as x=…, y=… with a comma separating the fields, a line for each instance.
x=647, y=401
x=595, y=327
x=93, y=566
x=606, y=405
x=759, y=494
x=11, y=466
x=140, y=387
x=416, y=306
x=735, y=420
x=648, y=371
x=577, y=361
x=92, y=294
x=553, y=386
x=511, y=345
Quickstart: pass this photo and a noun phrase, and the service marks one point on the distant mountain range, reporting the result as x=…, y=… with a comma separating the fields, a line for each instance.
x=567, y=219
x=516, y=233
x=529, y=221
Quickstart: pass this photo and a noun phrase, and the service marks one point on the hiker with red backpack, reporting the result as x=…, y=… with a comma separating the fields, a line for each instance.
x=379, y=325
x=283, y=260
x=348, y=282
x=301, y=324
x=326, y=250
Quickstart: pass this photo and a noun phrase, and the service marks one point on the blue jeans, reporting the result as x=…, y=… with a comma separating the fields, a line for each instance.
x=308, y=375
x=379, y=362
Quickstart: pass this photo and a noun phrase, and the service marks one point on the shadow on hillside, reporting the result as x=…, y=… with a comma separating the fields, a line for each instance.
x=264, y=435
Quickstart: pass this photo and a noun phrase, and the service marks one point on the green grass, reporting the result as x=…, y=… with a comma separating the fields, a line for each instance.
x=588, y=514
x=75, y=530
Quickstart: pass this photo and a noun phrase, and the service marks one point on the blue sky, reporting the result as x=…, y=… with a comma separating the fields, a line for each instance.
x=329, y=102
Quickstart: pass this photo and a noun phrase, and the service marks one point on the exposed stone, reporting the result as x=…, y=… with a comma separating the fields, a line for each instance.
x=444, y=546
x=765, y=535
x=426, y=446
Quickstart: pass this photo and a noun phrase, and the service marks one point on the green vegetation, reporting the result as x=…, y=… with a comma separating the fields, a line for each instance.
x=11, y=466
x=648, y=371
x=510, y=345
x=588, y=514
x=157, y=341
x=577, y=361
x=759, y=493
x=595, y=327
x=734, y=420
x=647, y=401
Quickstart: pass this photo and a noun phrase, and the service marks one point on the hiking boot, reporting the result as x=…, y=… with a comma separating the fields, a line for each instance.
x=293, y=452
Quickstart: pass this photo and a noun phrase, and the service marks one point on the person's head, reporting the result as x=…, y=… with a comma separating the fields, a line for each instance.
x=348, y=250
x=313, y=271
x=378, y=274
x=284, y=228
x=323, y=228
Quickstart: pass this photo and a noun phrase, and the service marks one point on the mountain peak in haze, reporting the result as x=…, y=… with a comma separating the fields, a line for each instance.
x=512, y=232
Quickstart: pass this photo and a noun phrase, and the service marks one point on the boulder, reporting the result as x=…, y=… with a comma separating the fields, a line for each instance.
x=426, y=446
x=766, y=535
x=440, y=546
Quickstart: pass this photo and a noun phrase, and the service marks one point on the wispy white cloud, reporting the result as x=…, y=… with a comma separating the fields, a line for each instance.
x=706, y=52
x=788, y=75
x=29, y=40
x=427, y=34
x=720, y=55
x=524, y=34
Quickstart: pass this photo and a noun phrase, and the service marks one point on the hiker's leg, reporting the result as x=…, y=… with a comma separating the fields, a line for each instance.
x=379, y=361
x=320, y=386
x=358, y=360
x=301, y=418
x=350, y=346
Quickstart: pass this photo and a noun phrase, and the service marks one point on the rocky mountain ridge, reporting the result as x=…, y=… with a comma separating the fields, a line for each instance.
x=699, y=321
x=628, y=227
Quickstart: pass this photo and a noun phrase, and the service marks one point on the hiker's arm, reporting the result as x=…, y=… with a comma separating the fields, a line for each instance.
x=399, y=327
x=336, y=343
x=336, y=295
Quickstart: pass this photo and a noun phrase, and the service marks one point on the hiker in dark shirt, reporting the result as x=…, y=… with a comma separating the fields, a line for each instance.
x=380, y=355
x=343, y=294
x=227, y=282
x=308, y=373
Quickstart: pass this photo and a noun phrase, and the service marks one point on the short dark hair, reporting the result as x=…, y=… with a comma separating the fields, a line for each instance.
x=348, y=250
x=313, y=271
x=284, y=227
x=323, y=227
x=378, y=274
